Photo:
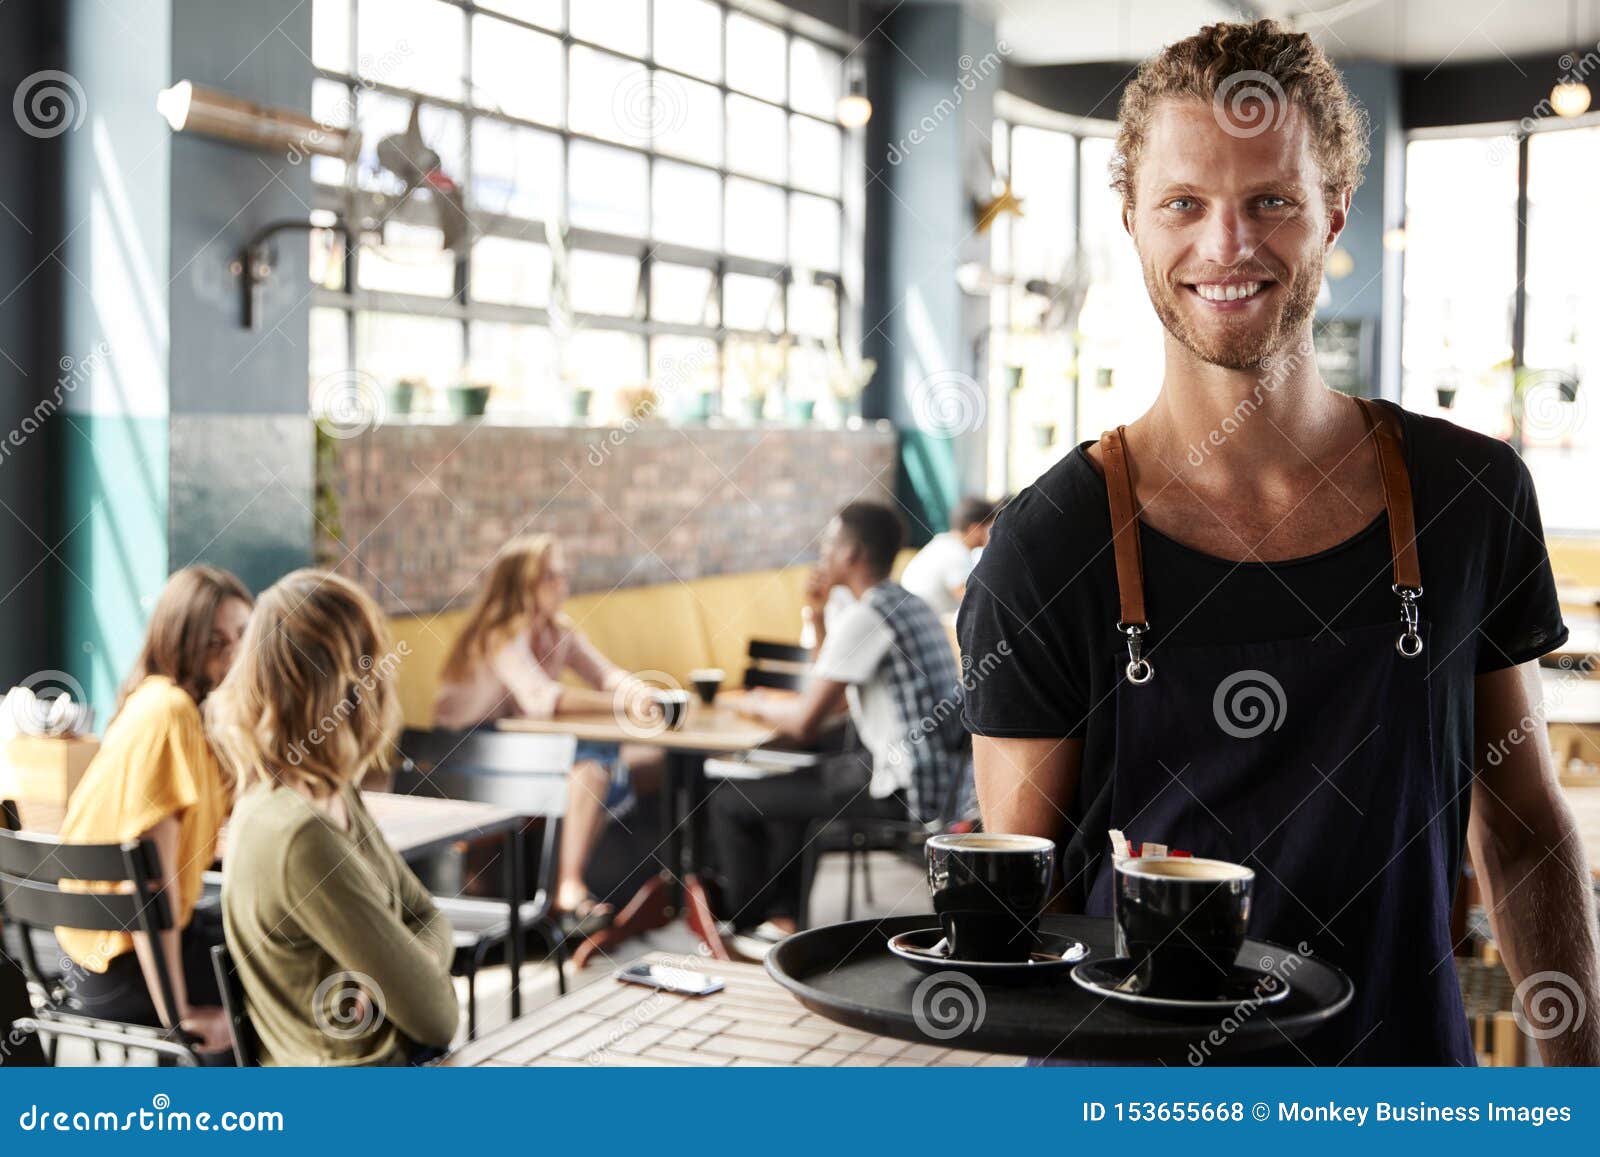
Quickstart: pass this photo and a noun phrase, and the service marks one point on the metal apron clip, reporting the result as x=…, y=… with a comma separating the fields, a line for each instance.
x=1139, y=670
x=1409, y=643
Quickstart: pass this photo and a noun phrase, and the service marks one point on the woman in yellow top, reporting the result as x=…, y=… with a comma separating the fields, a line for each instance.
x=155, y=776
x=343, y=957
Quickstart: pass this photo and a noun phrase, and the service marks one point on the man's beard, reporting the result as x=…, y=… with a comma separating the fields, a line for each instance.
x=1236, y=344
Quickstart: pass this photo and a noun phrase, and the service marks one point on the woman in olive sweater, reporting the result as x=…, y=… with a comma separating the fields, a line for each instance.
x=343, y=957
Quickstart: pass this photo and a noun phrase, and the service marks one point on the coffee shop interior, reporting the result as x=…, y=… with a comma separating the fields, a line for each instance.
x=633, y=311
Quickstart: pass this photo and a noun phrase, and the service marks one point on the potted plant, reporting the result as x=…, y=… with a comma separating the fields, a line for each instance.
x=582, y=403
x=847, y=379
x=1446, y=392
x=468, y=400
x=403, y=395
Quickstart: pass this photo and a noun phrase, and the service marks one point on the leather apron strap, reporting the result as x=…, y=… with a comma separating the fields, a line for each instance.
x=1128, y=552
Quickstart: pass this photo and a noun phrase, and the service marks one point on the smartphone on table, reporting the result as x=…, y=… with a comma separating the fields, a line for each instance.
x=670, y=979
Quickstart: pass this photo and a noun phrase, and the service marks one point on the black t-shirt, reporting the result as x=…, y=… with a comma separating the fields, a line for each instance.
x=1038, y=621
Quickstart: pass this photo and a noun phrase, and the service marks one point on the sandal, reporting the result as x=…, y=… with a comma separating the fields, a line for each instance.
x=589, y=917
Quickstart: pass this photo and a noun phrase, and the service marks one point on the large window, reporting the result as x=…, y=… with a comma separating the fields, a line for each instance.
x=1465, y=355
x=652, y=195
x=1057, y=377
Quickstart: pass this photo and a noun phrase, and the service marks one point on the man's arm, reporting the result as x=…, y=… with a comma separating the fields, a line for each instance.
x=1026, y=785
x=800, y=718
x=1531, y=865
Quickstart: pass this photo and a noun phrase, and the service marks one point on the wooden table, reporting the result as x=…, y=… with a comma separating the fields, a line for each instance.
x=707, y=731
x=750, y=1022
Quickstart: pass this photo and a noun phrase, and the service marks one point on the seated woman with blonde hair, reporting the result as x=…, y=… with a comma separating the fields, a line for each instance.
x=343, y=957
x=508, y=661
x=155, y=777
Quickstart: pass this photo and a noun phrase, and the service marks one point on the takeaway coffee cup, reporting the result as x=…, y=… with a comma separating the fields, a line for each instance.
x=1181, y=920
x=988, y=890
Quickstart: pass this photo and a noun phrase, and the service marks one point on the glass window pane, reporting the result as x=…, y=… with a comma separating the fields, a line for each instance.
x=515, y=170
x=606, y=362
x=813, y=232
x=752, y=303
x=815, y=78
x=516, y=71
x=607, y=189
x=687, y=118
x=752, y=370
x=520, y=362
x=542, y=12
x=410, y=259
x=619, y=24
x=382, y=115
x=1042, y=165
x=815, y=155
x=754, y=220
x=683, y=294
x=329, y=354
x=687, y=205
x=415, y=44
x=689, y=36
x=814, y=310
x=391, y=346
x=327, y=258
x=612, y=97
x=756, y=57
x=684, y=373
x=511, y=272
x=330, y=34
x=603, y=282
x=333, y=106
x=755, y=138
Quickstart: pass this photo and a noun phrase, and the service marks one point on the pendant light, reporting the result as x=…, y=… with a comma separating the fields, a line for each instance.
x=854, y=109
x=1570, y=97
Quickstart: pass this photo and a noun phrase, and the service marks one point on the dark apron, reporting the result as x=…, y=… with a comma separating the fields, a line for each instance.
x=1312, y=762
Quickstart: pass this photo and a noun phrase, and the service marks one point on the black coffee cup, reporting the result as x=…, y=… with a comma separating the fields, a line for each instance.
x=674, y=706
x=1181, y=920
x=707, y=682
x=988, y=890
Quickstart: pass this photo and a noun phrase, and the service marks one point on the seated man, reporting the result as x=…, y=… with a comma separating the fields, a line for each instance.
x=938, y=573
x=884, y=658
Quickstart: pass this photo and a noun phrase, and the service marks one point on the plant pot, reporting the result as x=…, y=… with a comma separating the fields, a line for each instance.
x=1569, y=388
x=755, y=409
x=696, y=408
x=1104, y=377
x=1044, y=436
x=802, y=411
x=467, y=401
x=582, y=402
x=1447, y=396
x=402, y=396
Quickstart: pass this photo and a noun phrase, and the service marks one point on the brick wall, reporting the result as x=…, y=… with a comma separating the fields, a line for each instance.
x=422, y=508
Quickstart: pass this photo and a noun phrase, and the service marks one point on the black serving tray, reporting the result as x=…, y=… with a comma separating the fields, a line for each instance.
x=846, y=973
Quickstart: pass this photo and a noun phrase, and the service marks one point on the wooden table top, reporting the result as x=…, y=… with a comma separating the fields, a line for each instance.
x=711, y=730
x=750, y=1022
x=410, y=823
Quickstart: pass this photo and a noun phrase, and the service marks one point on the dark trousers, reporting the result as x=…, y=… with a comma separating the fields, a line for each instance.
x=760, y=829
x=17, y=1049
x=120, y=992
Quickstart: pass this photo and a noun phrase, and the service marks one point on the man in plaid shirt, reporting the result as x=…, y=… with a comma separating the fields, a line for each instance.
x=886, y=660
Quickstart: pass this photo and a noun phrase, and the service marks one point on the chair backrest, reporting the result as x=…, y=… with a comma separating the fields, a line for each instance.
x=246, y=1048
x=33, y=867
x=785, y=666
x=522, y=771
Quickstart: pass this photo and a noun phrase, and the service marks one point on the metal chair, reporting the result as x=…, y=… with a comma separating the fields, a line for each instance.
x=246, y=1047
x=523, y=772
x=32, y=869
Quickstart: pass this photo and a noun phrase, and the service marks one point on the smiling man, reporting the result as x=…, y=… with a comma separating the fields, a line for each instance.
x=1269, y=623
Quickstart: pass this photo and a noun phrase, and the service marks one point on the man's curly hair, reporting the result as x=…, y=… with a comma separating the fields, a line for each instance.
x=1232, y=65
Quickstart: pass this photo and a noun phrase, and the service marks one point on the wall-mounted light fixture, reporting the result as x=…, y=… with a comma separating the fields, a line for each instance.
x=1570, y=97
x=854, y=109
x=193, y=108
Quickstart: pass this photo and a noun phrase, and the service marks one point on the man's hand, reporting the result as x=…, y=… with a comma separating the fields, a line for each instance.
x=818, y=588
